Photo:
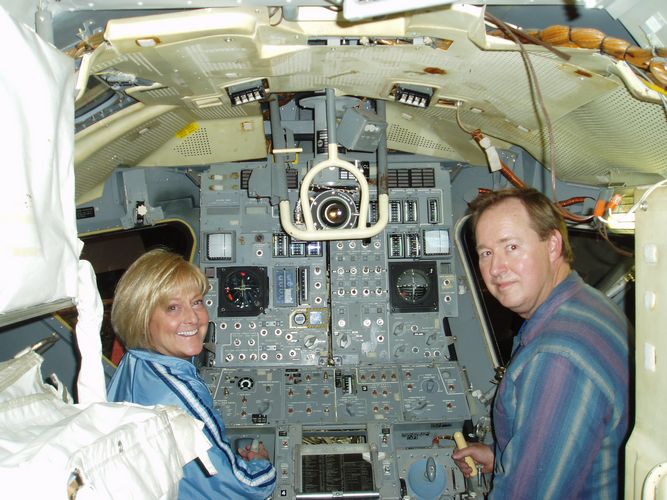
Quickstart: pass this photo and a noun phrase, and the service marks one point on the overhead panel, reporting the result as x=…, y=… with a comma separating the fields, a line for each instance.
x=206, y=141
x=197, y=55
x=612, y=140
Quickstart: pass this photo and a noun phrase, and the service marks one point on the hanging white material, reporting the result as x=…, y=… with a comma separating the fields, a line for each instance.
x=101, y=450
x=91, y=383
x=38, y=257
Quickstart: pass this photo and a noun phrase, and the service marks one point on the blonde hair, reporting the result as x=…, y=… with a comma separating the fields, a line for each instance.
x=148, y=283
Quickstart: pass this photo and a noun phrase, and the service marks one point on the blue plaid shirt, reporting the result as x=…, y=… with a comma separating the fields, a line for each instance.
x=561, y=414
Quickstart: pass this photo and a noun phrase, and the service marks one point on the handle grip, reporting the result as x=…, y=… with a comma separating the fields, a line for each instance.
x=460, y=444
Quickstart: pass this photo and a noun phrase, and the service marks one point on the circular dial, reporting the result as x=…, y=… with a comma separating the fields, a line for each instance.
x=413, y=285
x=300, y=319
x=243, y=290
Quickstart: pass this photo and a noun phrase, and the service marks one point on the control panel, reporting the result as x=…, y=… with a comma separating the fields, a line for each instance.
x=338, y=354
x=282, y=302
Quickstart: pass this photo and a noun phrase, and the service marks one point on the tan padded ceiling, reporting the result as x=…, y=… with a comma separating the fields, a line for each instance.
x=601, y=130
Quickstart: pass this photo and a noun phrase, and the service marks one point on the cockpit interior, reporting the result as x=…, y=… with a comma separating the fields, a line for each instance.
x=315, y=159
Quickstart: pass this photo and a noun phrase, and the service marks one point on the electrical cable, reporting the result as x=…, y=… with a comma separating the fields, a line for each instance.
x=529, y=37
x=517, y=182
x=272, y=12
x=533, y=80
x=603, y=232
x=636, y=57
x=458, y=118
x=647, y=60
x=574, y=200
x=646, y=194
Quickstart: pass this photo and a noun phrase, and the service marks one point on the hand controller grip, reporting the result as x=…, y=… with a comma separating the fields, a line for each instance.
x=460, y=444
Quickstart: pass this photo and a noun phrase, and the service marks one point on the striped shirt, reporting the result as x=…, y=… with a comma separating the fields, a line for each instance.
x=561, y=415
x=150, y=378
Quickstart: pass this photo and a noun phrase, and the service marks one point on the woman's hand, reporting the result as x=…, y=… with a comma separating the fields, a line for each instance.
x=254, y=451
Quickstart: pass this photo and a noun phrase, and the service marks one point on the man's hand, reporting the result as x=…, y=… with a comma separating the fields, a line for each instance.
x=480, y=453
x=254, y=451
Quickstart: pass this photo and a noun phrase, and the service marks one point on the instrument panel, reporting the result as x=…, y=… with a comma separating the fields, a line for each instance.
x=337, y=354
x=285, y=302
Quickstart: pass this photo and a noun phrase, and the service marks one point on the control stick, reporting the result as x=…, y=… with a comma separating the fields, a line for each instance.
x=461, y=444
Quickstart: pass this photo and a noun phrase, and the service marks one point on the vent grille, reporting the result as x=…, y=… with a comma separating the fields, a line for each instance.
x=157, y=94
x=142, y=61
x=224, y=112
x=406, y=137
x=129, y=149
x=196, y=144
x=292, y=179
x=411, y=178
x=592, y=147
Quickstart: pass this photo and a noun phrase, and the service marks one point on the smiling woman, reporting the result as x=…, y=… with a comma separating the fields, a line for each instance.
x=112, y=252
x=158, y=297
x=159, y=314
x=178, y=329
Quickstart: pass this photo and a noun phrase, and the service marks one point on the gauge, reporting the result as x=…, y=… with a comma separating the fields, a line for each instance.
x=299, y=319
x=246, y=383
x=243, y=291
x=413, y=286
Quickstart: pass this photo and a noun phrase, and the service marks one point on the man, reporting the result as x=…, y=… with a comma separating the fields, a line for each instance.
x=561, y=413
